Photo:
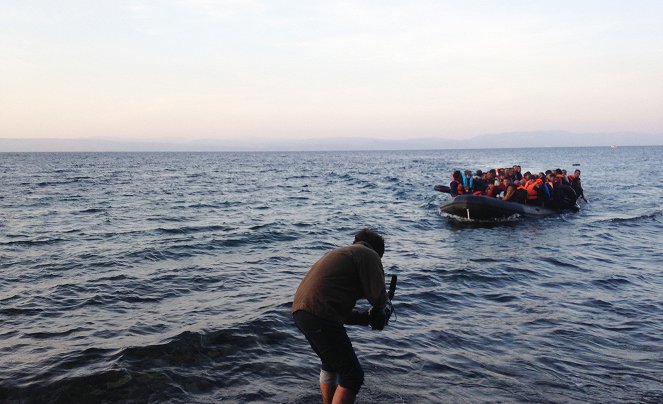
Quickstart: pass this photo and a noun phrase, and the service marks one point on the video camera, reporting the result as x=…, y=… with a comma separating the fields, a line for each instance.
x=376, y=319
x=390, y=295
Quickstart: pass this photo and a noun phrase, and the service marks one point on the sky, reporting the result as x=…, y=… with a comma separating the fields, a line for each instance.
x=177, y=70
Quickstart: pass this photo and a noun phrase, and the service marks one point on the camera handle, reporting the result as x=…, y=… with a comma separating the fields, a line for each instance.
x=390, y=295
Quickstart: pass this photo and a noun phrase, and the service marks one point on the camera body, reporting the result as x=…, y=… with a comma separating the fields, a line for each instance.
x=377, y=319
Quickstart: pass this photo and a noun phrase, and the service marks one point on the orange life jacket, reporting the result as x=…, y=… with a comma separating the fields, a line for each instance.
x=530, y=187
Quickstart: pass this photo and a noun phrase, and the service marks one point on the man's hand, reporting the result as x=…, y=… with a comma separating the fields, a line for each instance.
x=378, y=318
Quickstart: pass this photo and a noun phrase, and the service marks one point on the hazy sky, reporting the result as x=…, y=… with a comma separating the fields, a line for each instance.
x=177, y=69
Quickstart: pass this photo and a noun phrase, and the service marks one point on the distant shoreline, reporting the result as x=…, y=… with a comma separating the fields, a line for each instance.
x=304, y=151
x=516, y=140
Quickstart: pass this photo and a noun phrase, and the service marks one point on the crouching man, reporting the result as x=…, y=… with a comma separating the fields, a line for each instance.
x=324, y=302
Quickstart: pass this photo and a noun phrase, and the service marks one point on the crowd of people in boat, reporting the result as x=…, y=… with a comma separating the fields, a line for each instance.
x=552, y=189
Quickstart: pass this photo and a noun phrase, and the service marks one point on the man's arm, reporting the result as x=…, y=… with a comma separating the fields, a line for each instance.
x=358, y=318
x=371, y=277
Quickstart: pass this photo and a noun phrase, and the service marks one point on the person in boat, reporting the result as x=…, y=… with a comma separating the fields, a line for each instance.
x=468, y=181
x=517, y=173
x=499, y=183
x=556, y=191
x=544, y=190
x=491, y=190
x=510, y=173
x=324, y=302
x=560, y=177
x=479, y=182
x=521, y=191
x=513, y=192
x=532, y=185
x=576, y=184
x=491, y=175
x=508, y=189
x=456, y=186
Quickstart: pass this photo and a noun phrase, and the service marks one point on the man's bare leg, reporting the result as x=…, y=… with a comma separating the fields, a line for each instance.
x=327, y=390
x=344, y=396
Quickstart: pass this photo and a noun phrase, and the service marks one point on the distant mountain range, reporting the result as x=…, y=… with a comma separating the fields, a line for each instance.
x=488, y=141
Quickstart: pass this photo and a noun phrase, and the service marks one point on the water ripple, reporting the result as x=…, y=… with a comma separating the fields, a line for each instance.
x=157, y=277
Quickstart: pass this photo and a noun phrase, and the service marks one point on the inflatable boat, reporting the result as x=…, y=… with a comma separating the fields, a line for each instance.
x=479, y=207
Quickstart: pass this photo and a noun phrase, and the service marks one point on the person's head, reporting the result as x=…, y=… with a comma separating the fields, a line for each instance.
x=479, y=173
x=558, y=171
x=527, y=175
x=371, y=237
x=576, y=173
x=506, y=181
x=456, y=175
x=468, y=173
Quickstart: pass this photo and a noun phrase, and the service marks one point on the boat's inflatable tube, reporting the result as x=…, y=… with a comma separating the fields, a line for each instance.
x=478, y=207
x=565, y=197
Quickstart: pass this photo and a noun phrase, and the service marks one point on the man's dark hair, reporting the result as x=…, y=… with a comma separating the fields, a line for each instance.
x=373, y=238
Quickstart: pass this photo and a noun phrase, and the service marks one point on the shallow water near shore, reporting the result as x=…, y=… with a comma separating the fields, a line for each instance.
x=168, y=277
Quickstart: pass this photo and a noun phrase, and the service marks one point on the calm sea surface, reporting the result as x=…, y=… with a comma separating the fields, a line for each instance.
x=151, y=277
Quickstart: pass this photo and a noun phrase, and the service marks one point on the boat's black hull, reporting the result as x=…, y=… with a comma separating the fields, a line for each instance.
x=478, y=207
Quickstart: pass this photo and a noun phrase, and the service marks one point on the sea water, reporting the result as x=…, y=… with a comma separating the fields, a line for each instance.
x=168, y=277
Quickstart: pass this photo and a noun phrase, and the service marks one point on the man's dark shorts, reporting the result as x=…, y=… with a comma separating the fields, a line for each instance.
x=331, y=343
